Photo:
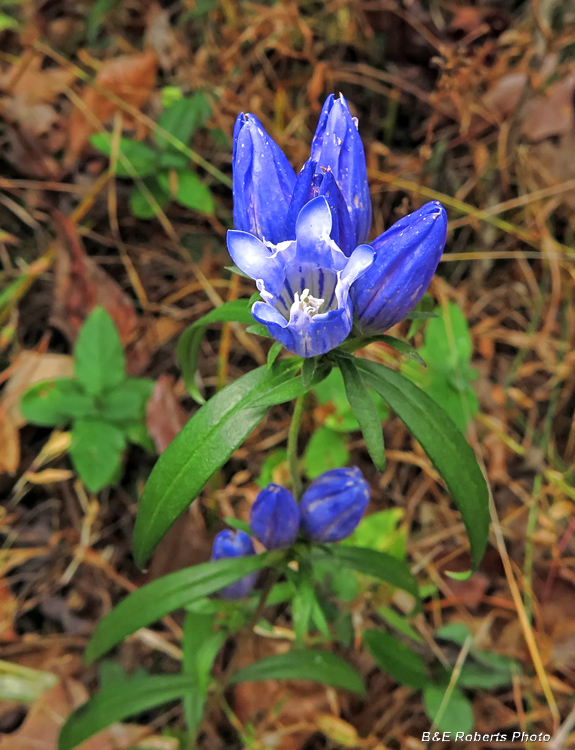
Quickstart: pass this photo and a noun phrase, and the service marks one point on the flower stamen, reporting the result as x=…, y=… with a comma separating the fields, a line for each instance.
x=304, y=302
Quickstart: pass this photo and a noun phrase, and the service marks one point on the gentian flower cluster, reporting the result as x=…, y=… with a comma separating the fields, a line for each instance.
x=302, y=239
x=329, y=511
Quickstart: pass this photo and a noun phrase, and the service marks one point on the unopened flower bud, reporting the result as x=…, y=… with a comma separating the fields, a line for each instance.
x=333, y=505
x=235, y=544
x=274, y=517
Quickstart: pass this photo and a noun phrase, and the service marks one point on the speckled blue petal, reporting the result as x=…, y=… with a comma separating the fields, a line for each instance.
x=406, y=258
x=337, y=146
x=263, y=181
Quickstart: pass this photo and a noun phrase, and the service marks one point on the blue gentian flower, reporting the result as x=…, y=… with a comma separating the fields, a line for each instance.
x=406, y=256
x=337, y=147
x=274, y=517
x=235, y=544
x=333, y=505
x=304, y=282
x=263, y=181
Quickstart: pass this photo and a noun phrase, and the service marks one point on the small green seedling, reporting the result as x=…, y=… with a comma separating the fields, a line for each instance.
x=163, y=171
x=448, y=376
x=106, y=408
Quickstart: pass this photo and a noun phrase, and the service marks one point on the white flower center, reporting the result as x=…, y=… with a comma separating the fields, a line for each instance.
x=306, y=303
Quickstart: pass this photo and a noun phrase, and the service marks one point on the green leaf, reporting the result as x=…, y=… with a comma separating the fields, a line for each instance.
x=372, y=563
x=55, y=402
x=259, y=329
x=239, y=525
x=173, y=160
x=478, y=676
x=7, y=22
x=96, y=452
x=400, y=623
x=341, y=418
x=365, y=410
x=145, y=205
x=381, y=531
x=191, y=339
x=182, y=119
x=99, y=357
x=444, y=444
x=120, y=701
x=302, y=607
x=303, y=664
x=270, y=463
x=308, y=369
x=275, y=349
x=142, y=160
x=200, y=647
x=447, y=340
x=396, y=659
x=188, y=190
x=457, y=715
x=155, y=600
x=326, y=450
x=420, y=315
x=204, y=444
x=127, y=401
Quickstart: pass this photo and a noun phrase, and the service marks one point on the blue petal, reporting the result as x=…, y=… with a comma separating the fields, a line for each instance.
x=300, y=196
x=407, y=256
x=359, y=262
x=263, y=181
x=316, y=143
x=313, y=223
x=342, y=232
x=337, y=146
x=256, y=260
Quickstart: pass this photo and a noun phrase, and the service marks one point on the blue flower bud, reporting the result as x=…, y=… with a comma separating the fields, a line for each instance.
x=311, y=182
x=235, y=544
x=406, y=257
x=274, y=517
x=337, y=147
x=263, y=181
x=333, y=505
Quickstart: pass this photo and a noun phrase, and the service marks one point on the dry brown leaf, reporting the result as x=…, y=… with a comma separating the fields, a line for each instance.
x=80, y=285
x=35, y=129
x=163, y=39
x=551, y=113
x=28, y=368
x=42, y=726
x=9, y=444
x=131, y=78
x=8, y=611
x=273, y=706
x=165, y=416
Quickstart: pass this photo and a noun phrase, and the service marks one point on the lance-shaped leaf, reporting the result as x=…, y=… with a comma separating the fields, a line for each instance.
x=120, y=701
x=445, y=445
x=204, y=444
x=303, y=664
x=365, y=410
x=189, y=343
x=370, y=562
x=174, y=591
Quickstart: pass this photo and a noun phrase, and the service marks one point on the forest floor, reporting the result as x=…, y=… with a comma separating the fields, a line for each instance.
x=470, y=104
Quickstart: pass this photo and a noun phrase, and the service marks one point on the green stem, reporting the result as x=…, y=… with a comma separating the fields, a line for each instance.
x=292, y=445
